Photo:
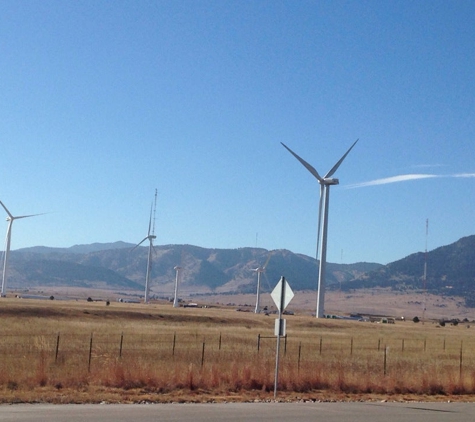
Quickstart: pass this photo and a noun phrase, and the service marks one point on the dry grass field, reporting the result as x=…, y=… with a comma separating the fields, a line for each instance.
x=78, y=351
x=374, y=301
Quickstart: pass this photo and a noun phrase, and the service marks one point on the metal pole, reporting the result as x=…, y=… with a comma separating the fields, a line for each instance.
x=281, y=307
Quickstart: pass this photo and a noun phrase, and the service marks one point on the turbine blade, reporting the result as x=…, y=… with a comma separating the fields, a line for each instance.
x=26, y=216
x=5, y=208
x=268, y=259
x=335, y=167
x=267, y=281
x=304, y=163
x=138, y=244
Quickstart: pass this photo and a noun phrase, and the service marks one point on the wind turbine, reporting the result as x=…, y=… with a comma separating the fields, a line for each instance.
x=150, y=236
x=325, y=183
x=260, y=270
x=8, y=240
x=178, y=270
x=178, y=278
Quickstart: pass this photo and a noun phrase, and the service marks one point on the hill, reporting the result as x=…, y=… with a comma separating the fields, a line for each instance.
x=118, y=265
x=450, y=272
x=113, y=266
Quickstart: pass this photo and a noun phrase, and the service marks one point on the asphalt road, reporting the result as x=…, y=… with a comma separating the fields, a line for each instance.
x=243, y=412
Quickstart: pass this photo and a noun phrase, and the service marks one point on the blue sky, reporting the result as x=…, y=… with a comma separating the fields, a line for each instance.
x=102, y=102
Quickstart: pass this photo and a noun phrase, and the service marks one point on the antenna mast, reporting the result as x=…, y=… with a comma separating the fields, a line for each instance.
x=425, y=257
x=154, y=211
x=424, y=280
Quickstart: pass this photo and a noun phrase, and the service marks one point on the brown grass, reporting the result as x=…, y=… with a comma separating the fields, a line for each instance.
x=158, y=353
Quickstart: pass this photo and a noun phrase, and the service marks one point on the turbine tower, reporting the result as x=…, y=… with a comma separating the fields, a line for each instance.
x=260, y=270
x=178, y=270
x=322, y=230
x=150, y=236
x=425, y=274
x=8, y=239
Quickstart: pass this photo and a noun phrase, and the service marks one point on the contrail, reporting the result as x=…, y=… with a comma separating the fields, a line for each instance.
x=405, y=178
x=392, y=179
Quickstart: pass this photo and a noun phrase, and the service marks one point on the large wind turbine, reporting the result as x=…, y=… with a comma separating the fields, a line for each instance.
x=325, y=183
x=150, y=236
x=260, y=270
x=8, y=240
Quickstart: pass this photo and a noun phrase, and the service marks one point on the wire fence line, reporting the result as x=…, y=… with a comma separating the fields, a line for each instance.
x=200, y=348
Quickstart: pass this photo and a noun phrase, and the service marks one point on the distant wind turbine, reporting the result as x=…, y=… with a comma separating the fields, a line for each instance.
x=179, y=271
x=325, y=183
x=260, y=270
x=150, y=236
x=8, y=240
x=178, y=279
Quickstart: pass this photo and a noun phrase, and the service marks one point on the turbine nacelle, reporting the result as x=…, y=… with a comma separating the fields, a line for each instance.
x=329, y=181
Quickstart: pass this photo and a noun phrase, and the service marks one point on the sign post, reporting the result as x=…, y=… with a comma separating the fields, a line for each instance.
x=282, y=295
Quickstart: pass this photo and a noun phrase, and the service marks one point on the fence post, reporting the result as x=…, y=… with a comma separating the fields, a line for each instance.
x=298, y=362
x=425, y=344
x=321, y=342
x=174, y=342
x=57, y=349
x=285, y=344
x=379, y=344
x=385, y=359
x=351, y=348
x=219, y=341
x=258, y=342
x=402, y=346
x=203, y=354
x=90, y=355
x=121, y=343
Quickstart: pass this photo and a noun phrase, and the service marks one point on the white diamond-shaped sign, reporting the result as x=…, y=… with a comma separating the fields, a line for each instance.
x=277, y=294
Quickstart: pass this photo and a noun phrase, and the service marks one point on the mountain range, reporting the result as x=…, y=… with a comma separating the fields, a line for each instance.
x=118, y=266
x=450, y=272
